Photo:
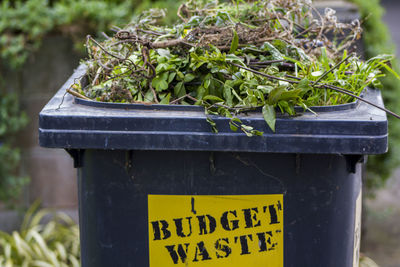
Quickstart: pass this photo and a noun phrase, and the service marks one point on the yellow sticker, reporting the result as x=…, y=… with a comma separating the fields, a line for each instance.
x=216, y=231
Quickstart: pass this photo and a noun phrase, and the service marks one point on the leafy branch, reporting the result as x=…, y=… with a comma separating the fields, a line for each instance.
x=316, y=84
x=232, y=59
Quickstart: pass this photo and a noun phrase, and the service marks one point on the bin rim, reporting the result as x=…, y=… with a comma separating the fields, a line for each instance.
x=177, y=107
x=65, y=124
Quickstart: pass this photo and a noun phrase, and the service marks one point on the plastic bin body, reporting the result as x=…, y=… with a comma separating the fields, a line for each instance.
x=319, y=200
x=124, y=156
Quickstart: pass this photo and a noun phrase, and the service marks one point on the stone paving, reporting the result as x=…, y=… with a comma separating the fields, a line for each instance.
x=381, y=241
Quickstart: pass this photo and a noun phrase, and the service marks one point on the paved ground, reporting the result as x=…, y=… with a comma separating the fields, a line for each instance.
x=382, y=239
x=381, y=242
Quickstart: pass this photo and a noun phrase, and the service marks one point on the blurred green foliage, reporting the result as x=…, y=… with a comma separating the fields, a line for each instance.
x=377, y=40
x=45, y=239
x=11, y=120
x=23, y=25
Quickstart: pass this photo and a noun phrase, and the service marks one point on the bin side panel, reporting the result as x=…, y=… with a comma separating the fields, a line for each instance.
x=319, y=199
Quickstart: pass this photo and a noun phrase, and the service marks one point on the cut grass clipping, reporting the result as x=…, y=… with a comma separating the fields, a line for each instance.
x=232, y=58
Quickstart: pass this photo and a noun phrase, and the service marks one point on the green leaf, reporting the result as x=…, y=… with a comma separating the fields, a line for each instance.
x=207, y=81
x=228, y=95
x=213, y=98
x=389, y=69
x=181, y=76
x=149, y=97
x=249, y=134
x=258, y=133
x=300, y=54
x=200, y=92
x=189, y=77
x=266, y=89
x=247, y=127
x=162, y=67
x=164, y=52
x=212, y=124
x=324, y=58
x=160, y=82
x=276, y=55
x=161, y=85
x=235, y=42
x=317, y=73
x=171, y=77
x=304, y=83
x=248, y=130
x=233, y=126
x=179, y=89
x=165, y=100
x=234, y=59
x=290, y=94
x=269, y=115
x=280, y=45
x=275, y=95
x=236, y=119
x=304, y=86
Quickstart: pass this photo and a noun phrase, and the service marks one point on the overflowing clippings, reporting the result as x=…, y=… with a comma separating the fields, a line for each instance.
x=232, y=58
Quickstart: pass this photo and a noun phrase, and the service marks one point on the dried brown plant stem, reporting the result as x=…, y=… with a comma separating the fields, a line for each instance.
x=88, y=37
x=76, y=94
x=154, y=93
x=170, y=43
x=178, y=99
x=183, y=11
x=150, y=32
x=333, y=68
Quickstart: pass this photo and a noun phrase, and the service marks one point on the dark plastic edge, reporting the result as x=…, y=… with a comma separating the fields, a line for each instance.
x=129, y=106
x=64, y=124
x=223, y=142
x=98, y=104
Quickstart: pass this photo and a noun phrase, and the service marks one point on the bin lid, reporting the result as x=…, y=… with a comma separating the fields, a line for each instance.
x=75, y=124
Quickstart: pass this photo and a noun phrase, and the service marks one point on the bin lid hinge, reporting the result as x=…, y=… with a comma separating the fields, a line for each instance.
x=77, y=155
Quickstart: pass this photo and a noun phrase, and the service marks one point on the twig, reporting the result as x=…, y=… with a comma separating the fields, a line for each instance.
x=312, y=82
x=266, y=62
x=154, y=92
x=305, y=31
x=178, y=99
x=150, y=32
x=76, y=94
x=115, y=28
x=88, y=37
x=321, y=20
x=332, y=69
x=262, y=73
x=128, y=37
x=170, y=43
x=263, y=64
x=326, y=86
x=192, y=98
x=105, y=35
x=181, y=8
x=319, y=85
x=98, y=72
